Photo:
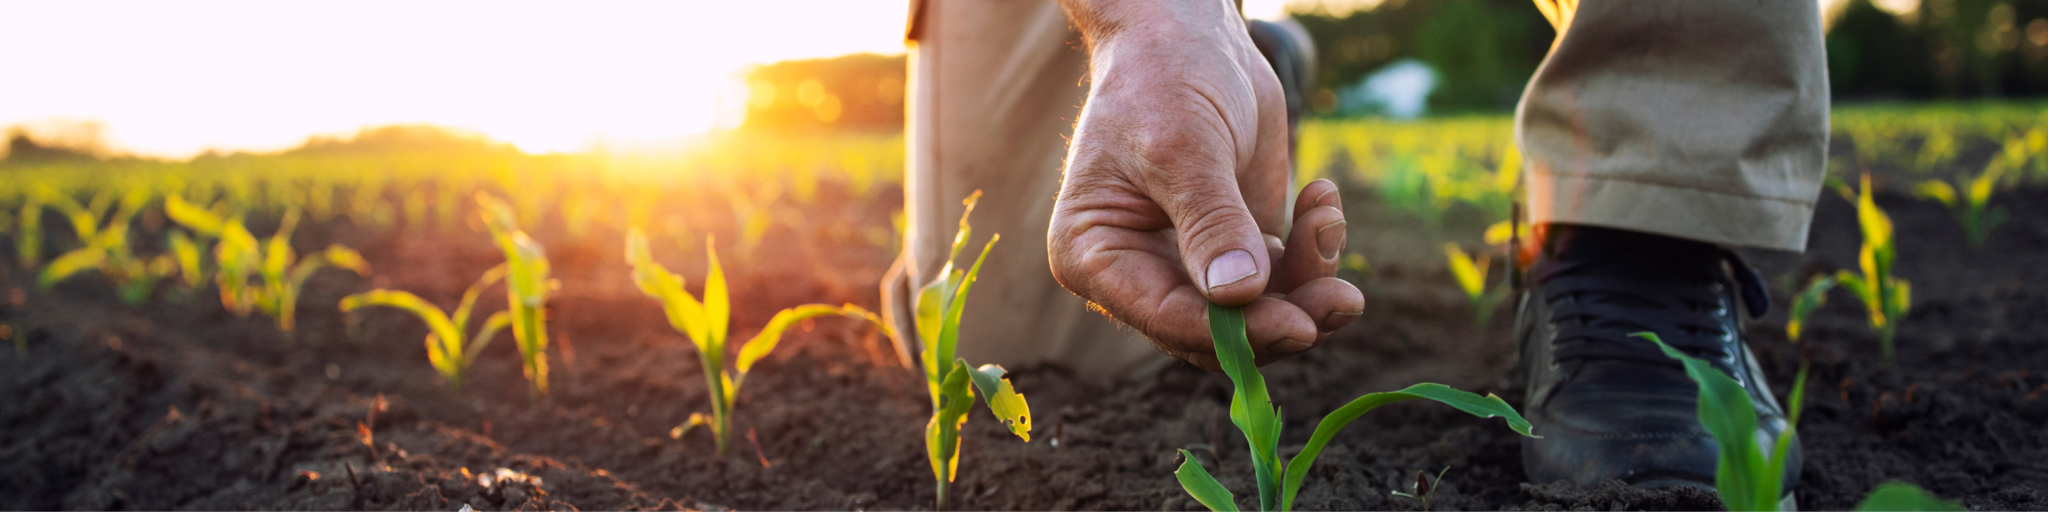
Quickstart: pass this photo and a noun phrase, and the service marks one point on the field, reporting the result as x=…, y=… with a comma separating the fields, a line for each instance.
x=134, y=384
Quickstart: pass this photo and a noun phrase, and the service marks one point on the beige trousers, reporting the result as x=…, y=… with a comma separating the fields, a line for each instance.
x=1701, y=119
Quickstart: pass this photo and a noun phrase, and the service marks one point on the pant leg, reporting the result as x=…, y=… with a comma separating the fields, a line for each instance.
x=995, y=88
x=1698, y=119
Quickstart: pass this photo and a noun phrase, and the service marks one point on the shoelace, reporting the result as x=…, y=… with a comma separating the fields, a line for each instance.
x=1687, y=310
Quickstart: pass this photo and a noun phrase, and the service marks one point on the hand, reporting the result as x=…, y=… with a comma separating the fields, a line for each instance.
x=1176, y=183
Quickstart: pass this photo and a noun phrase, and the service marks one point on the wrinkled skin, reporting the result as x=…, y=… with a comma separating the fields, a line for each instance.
x=1176, y=188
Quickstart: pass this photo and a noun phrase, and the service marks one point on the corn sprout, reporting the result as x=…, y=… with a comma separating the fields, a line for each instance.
x=1745, y=477
x=1471, y=274
x=1252, y=410
x=938, y=309
x=447, y=350
x=1971, y=206
x=1888, y=298
x=526, y=290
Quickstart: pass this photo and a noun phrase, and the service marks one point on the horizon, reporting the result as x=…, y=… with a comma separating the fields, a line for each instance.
x=179, y=80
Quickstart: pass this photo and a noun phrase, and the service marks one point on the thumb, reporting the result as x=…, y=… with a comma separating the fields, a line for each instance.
x=1221, y=246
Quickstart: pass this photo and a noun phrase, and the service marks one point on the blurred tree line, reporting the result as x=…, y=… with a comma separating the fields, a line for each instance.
x=1485, y=50
x=861, y=92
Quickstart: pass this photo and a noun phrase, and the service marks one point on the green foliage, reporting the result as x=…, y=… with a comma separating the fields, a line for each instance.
x=106, y=248
x=1809, y=300
x=1905, y=496
x=1745, y=477
x=1470, y=272
x=1971, y=207
x=28, y=238
x=1253, y=412
x=447, y=349
x=1888, y=298
x=939, y=307
x=706, y=323
x=526, y=290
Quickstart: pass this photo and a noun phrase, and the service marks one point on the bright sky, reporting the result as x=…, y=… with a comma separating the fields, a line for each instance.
x=175, y=78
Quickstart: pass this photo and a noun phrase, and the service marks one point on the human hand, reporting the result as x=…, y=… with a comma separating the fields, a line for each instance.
x=1176, y=183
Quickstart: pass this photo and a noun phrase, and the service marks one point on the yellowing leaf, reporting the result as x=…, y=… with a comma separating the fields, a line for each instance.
x=1008, y=406
x=1471, y=274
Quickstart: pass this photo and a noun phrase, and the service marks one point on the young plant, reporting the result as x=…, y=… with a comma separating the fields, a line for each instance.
x=1423, y=488
x=28, y=238
x=938, y=310
x=1471, y=273
x=107, y=250
x=1887, y=297
x=1745, y=477
x=1810, y=300
x=446, y=347
x=706, y=323
x=1252, y=410
x=284, y=273
x=1971, y=207
x=526, y=289
x=1904, y=496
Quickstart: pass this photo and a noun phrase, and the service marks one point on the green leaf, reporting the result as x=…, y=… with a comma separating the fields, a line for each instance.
x=1203, y=487
x=70, y=263
x=1471, y=278
x=1489, y=406
x=1937, y=190
x=942, y=434
x=464, y=308
x=492, y=324
x=764, y=342
x=1779, y=453
x=1809, y=300
x=1725, y=410
x=1905, y=496
x=1251, y=408
x=437, y=321
x=956, y=304
x=187, y=253
x=717, y=304
x=1003, y=400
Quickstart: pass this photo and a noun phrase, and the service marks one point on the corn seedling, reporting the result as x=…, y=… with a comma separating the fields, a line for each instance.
x=1745, y=477
x=1806, y=303
x=1887, y=298
x=106, y=249
x=284, y=273
x=1471, y=274
x=706, y=323
x=447, y=349
x=1972, y=205
x=1253, y=411
x=939, y=306
x=28, y=238
x=1423, y=488
x=526, y=289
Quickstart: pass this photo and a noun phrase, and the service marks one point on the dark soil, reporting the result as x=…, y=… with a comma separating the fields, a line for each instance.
x=180, y=404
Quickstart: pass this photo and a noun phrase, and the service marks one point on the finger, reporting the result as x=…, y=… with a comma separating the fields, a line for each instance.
x=1332, y=302
x=1313, y=249
x=1321, y=192
x=1277, y=327
x=1222, y=249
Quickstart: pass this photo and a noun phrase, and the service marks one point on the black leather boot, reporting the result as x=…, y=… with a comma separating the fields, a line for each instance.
x=1613, y=407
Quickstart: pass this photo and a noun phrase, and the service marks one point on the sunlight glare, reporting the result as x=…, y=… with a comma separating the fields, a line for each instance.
x=176, y=78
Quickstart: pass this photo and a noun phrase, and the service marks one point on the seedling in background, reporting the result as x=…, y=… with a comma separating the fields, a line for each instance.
x=1471, y=274
x=28, y=237
x=1888, y=298
x=106, y=249
x=1972, y=207
x=526, y=289
x=1252, y=410
x=1423, y=488
x=707, y=322
x=938, y=308
x=279, y=274
x=1745, y=477
x=1810, y=300
x=446, y=347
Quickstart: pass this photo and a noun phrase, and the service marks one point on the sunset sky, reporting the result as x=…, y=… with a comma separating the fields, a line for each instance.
x=175, y=78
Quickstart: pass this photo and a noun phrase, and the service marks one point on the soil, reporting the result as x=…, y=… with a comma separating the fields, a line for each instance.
x=181, y=404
